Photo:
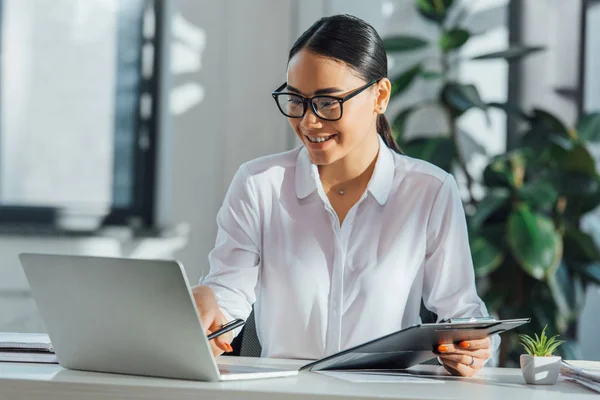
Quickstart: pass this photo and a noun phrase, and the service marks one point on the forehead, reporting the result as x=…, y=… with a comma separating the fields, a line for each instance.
x=310, y=72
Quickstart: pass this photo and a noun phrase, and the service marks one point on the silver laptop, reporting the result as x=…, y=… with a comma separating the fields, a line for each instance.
x=126, y=316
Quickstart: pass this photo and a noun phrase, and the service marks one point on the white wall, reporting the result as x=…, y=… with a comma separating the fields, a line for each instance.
x=244, y=60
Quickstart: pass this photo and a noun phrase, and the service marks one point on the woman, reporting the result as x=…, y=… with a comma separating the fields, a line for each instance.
x=336, y=242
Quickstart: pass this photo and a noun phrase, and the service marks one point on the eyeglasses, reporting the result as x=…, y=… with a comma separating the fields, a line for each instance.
x=329, y=108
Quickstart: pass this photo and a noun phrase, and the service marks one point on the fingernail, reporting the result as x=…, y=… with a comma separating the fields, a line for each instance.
x=442, y=348
x=229, y=348
x=464, y=345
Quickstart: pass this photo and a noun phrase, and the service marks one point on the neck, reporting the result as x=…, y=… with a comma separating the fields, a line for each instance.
x=355, y=166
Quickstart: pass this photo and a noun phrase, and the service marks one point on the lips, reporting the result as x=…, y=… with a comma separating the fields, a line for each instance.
x=319, y=139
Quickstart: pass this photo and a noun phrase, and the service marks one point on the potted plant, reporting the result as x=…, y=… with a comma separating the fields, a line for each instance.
x=539, y=365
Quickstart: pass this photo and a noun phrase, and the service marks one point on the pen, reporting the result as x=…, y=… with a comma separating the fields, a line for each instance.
x=226, y=328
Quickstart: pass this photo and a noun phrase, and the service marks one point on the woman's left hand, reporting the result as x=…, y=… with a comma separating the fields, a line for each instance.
x=465, y=358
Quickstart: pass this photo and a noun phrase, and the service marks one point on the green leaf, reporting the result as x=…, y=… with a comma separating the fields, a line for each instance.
x=576, y=184
x=588, y=127
x=437, y=150
x=404, y=80
x=402, y=43
x=492, y=201
x=538, y=194
x=581, y=190
x=486, y=256
x=580, y=160
x=580, y=246
x=462, y=97
x=507, y=170
x=453, y=39
x=431, y=75
x=399, y=123
x=434, y=10
x=534, y=242
x=509, y=109
x=510, y=54
x=546, y=122
x=528, y=344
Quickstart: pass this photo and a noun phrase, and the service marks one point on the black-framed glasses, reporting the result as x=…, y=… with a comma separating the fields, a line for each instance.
x=329, y=108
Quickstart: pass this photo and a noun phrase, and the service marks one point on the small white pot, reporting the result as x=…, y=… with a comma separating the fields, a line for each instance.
x=540, y=370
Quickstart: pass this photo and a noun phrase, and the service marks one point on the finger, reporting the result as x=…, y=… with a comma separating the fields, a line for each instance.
x=451, y=370
x=462, y=369
x=215, y=349
x=222, y=341
x=464, y=359
x=447, y=349
x=482, y=354
x=475, y=344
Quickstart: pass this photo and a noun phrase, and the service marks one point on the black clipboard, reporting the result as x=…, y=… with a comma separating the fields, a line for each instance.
x=410, y=346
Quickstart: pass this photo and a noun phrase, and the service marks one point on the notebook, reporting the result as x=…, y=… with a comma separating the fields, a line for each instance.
x=26, y=347
x=28, y=357
x=25, y=341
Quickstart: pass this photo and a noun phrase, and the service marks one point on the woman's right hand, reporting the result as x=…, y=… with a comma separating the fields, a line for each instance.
x=212, y=319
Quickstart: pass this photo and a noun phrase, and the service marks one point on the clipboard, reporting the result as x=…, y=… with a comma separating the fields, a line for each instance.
x=411, y=346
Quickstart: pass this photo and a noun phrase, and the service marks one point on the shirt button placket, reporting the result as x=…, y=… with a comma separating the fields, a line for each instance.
x=333, y=323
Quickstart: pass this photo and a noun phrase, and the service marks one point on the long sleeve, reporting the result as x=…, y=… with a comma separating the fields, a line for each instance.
x=235, y=258
x=449, y=278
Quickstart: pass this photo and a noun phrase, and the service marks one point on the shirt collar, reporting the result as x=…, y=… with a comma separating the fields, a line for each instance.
x=379, y=185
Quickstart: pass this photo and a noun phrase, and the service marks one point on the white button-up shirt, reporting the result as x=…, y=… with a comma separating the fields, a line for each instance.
x=318, y=287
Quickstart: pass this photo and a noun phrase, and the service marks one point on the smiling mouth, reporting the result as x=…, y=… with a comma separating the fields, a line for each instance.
x=320, y=139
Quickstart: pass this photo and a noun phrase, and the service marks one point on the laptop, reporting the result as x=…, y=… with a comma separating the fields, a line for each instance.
x=126, y=316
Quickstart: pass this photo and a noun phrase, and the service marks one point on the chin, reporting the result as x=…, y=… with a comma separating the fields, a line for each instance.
x=323, y=157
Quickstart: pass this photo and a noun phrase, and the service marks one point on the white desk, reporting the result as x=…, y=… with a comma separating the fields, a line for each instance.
x=50, y=381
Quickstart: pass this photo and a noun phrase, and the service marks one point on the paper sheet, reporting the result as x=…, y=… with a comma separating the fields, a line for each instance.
x=33, y=341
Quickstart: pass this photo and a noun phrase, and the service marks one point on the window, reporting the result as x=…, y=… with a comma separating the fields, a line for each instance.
x=78, y=127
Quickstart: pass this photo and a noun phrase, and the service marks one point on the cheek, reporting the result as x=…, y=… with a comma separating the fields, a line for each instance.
x=354, y=125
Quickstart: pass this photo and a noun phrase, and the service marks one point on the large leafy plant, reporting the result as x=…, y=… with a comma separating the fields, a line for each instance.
x=530, y=254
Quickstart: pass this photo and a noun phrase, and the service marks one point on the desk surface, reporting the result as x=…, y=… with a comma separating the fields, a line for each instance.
x=50, y=381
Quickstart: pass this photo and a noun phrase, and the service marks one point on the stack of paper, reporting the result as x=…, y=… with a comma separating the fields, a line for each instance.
x=26, y=347
x=587, y=377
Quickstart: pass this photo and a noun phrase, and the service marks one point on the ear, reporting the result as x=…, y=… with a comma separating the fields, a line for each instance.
x=384, y=89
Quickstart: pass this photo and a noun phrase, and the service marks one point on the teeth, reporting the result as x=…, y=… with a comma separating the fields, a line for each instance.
x=318, y=140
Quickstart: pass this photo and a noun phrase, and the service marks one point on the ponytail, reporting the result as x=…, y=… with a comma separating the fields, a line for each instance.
x=385, y=131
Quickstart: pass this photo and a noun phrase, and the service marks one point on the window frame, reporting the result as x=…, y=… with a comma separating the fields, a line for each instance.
x=141, y=214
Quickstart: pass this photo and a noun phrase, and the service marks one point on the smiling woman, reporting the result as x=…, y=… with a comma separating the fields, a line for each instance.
x=337, y=242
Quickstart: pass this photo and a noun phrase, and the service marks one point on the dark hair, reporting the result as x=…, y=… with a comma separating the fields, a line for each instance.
x=356, y=43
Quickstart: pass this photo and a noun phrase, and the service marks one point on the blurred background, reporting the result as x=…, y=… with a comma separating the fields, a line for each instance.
x=122, y=123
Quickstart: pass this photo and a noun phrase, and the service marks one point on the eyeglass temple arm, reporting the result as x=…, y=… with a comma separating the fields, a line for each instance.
x=359, y=91
x=280, y=88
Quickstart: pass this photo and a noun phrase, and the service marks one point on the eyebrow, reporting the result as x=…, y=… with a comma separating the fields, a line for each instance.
x=328, y=90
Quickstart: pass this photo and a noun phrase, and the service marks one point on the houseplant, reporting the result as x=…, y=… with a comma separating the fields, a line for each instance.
x=539, y=365
x=531, y=256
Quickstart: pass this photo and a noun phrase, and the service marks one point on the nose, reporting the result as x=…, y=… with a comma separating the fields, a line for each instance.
x=310, y=120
